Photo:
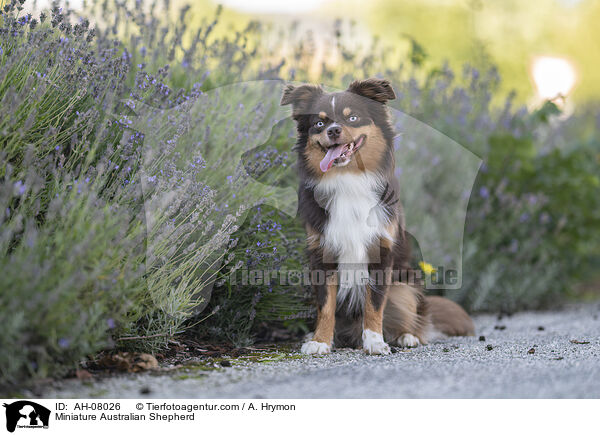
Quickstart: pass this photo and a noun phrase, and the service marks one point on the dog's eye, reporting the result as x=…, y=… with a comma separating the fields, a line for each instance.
x=353, y=118
x=319, y=124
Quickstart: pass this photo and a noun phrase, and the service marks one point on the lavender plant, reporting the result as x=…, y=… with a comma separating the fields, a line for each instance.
x=71, y=240
x=88, y=241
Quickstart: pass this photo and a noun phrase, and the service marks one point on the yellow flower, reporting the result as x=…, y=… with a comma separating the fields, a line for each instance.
x=427, y=268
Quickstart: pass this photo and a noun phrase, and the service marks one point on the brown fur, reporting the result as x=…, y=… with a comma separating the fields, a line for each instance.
x=376, y=89
x=326, y=314
x=448, y=317
x=313, y=154
x=373, y=315
x=401, y=314
x=392, y=229
x=313, y=238
x=364, y=160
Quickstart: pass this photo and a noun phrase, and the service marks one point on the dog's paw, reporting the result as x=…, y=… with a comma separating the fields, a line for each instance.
x=408, y=340
x=315, y=348
x=373, y=343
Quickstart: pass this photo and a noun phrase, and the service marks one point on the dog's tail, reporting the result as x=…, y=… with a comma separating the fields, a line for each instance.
x=428, y=318
x=448, y=318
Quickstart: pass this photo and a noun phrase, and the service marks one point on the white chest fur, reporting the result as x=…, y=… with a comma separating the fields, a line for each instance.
x=356, y=221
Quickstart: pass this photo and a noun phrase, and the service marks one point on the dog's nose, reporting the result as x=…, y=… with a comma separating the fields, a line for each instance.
x=334, y=131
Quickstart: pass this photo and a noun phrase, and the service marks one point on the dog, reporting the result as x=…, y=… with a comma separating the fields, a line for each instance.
x=348, y=202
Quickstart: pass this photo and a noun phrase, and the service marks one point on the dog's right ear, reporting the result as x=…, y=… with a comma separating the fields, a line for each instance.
x=300, y=97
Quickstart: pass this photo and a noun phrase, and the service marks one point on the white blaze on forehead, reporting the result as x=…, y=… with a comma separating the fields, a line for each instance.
x=333, y=106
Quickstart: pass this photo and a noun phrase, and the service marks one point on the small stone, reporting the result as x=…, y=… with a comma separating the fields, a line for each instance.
x=489, y=347
x=145, y=390
x=225, y=363
x=445, y=349
x=481, y=338
x=500, y=327
x=531, y=351
x=541, y=328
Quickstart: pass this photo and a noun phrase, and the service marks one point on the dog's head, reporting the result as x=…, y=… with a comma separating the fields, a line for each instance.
x=342, y=131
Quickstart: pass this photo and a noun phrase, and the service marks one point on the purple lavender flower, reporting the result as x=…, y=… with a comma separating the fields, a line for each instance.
x=19, y=188
x=63, y=343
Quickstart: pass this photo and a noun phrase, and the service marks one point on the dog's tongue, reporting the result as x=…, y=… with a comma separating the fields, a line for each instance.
x=332, y=154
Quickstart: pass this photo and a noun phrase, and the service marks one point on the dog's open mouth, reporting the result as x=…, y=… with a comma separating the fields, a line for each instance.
x=340, y=154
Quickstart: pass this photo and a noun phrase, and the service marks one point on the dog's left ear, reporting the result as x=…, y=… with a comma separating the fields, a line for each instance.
x=376, y=89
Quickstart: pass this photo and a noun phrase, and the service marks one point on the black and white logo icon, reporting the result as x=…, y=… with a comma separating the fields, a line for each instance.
x=25, y=414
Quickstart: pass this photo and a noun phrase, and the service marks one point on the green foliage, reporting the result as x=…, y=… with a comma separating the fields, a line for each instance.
x=534, y=215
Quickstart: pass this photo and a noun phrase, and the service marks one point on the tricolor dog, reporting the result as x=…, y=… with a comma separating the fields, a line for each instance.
x=348, y=201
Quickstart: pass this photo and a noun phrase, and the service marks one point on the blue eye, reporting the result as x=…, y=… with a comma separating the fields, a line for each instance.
x=353, y=118
x=320, y=124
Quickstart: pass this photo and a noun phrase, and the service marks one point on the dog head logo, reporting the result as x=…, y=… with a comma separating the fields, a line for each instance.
x=26, y=414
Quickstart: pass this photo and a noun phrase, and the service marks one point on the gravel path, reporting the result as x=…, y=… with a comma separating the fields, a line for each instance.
x=528, y=355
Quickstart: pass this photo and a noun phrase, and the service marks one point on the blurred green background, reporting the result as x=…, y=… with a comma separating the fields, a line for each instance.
x=511, y=34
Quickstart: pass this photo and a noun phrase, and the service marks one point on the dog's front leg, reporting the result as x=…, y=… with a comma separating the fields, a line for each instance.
x=380, y=276
x=324, y=281
x=326, y=292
